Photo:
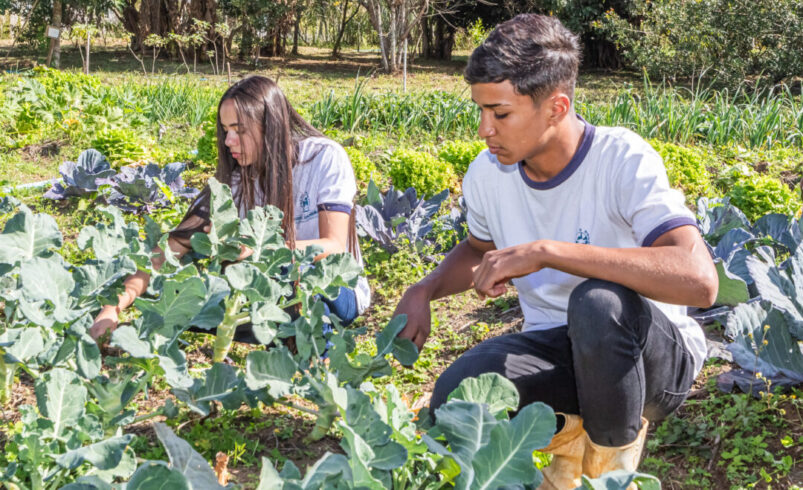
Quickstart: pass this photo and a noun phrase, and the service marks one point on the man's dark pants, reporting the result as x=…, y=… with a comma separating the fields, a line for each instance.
x=618, y=358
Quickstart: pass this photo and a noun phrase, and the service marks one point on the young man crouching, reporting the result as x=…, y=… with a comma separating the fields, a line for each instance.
x=604, y=256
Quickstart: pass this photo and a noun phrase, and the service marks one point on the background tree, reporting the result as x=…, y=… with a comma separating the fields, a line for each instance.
x=345, y=18
x=393, y=21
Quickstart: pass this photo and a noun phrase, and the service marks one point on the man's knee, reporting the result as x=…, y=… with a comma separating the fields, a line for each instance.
x=595, y=310
x=484, y=358
x=447, y=382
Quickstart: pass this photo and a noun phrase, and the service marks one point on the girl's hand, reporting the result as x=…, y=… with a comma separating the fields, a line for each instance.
x=244, y=252
x=105, y=323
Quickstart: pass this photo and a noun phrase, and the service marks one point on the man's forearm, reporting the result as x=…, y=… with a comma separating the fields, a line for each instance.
x=454, y=274
x=668, y=274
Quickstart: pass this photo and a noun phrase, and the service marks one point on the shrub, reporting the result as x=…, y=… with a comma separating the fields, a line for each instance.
x=729, y=39
x=364, y=168
x=426, y=173
x=120, y=146
x=207, y=143
x=685, y=168
x=461, y=153
x=760, y=195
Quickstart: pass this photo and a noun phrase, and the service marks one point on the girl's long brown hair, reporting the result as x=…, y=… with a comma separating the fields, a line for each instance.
x=263, y=109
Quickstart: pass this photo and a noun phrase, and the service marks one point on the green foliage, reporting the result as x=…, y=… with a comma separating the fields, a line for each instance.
x=762, y=194
x=394, y=270
x=752, y=118
x=121, y=146
x=427, y=174
x=207, y=143
x=728, y=40
x=436, y=113
x=364, y=168
x=57, y=104
x=686, y=169
x=742, y=429
x=257, y=289
x=461, y=153
x=183, y=100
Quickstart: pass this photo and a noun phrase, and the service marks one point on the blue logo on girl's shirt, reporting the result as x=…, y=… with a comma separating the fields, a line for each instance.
x=306, y=213
x=582, y=237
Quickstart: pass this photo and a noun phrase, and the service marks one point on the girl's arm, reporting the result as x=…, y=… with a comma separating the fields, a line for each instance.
x=134, y=285
x=333, y=227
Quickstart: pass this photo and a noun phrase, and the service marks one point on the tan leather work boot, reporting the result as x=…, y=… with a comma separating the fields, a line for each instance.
x=566, y=448
x=598, y=460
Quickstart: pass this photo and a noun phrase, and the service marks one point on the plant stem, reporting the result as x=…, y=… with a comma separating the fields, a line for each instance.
x=148, y=416
x=225, y=331
x=7, y=373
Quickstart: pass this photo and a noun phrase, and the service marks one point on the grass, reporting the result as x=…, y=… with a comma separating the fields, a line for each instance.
x=716, y=440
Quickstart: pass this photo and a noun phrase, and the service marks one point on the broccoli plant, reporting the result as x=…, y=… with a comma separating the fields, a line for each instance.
x=472, y=444
x=79, y=412
x=75, y=434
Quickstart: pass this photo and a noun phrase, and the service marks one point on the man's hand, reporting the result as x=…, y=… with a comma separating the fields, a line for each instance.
x=105, y=322
x=415, y=304
x=500, y=266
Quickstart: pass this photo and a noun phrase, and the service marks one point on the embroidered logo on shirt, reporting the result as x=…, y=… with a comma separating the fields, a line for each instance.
x=307, y=211
x=582, y=237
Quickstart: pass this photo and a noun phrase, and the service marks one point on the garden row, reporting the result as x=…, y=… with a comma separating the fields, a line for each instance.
x=45, y=332
x=76, y=432
x=44, y=341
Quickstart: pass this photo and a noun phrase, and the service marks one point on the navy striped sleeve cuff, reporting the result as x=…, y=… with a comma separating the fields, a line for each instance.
x=489, y=240
x=340, y=207
x=666, y=226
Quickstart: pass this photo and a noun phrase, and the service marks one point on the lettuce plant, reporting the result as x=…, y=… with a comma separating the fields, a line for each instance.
x=461, y=153
x=424, y=172
x=762, y=194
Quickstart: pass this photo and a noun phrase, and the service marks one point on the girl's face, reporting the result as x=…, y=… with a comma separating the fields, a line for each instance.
x=240, y=140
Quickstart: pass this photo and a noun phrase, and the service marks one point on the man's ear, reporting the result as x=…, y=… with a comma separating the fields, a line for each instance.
x=560, y=105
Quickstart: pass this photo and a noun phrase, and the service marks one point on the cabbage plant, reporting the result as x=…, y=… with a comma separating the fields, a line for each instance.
x=82, y=177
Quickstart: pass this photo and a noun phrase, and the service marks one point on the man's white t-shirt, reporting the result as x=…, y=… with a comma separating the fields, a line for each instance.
x=613, y=193
x=323, y=180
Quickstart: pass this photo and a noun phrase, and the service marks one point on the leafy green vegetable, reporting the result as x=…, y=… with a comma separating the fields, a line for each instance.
x=427, y=174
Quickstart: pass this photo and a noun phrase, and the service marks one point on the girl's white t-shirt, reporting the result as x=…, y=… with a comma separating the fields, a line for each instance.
x=323, y=180
x=613, y=193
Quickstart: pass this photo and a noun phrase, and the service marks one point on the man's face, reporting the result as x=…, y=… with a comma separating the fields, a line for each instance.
x=514, y=127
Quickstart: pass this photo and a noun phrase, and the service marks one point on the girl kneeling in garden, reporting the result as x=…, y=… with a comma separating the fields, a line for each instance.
x=268, y=154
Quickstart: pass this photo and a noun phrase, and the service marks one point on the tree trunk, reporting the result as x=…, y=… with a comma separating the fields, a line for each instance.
x=296, y=29
x=425, y=38
x=55, y=43
x=402, y=17
x=88, y=38
x=601, y=54
x=444, y=40
x=344, y=20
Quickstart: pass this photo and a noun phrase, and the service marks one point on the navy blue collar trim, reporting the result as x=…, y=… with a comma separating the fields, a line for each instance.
x=568, y=170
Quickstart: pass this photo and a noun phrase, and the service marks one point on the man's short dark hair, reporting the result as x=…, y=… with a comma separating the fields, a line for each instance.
x=535, y=52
